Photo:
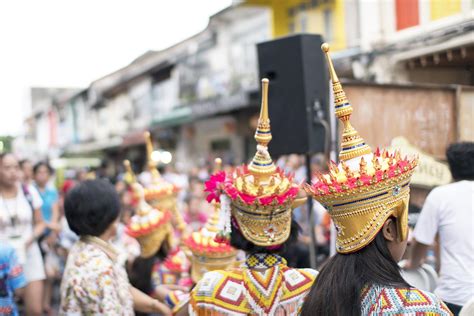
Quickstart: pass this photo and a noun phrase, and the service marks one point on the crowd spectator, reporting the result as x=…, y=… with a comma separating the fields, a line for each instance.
x=196, y=213
x=94, y=282
x=21, y=224
x=42, y=173
x=12, y=280
x=449, y=213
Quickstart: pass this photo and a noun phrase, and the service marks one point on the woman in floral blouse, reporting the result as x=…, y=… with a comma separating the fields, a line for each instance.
x=94, y=283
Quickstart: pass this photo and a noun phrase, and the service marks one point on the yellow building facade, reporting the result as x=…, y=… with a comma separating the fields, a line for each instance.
x=316, y=16
x=328, y=17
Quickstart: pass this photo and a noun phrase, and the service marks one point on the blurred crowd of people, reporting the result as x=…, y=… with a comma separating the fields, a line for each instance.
x=38, y=237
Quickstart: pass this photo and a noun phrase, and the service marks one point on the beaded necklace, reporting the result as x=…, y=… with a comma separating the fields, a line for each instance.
x=263, y=282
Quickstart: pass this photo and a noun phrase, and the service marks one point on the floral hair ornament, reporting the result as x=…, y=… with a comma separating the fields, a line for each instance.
x=365, y=188
x=206, y=253
x=258, y=197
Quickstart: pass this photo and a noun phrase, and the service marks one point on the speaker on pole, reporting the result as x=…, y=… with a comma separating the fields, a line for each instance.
x=298, y=94
x=298, y=102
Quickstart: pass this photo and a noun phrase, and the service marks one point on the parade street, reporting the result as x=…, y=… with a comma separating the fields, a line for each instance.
x=237, y=157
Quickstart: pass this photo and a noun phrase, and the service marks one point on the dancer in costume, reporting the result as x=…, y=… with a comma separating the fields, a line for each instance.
x=94, y=282
x=205, y=254
x=367, y=197
x=159, y=263
x=256, y=217
x=160, y=193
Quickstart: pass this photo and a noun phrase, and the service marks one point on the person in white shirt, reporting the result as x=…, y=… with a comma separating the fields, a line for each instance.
x=21, y=224
x=449, y=212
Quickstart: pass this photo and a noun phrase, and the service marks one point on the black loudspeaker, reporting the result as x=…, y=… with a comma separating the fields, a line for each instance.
x=298, y=93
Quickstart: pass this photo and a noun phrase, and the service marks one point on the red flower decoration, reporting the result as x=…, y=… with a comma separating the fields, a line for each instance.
x=247, y=198
x=231, y=191
x=267, y=200
x=215, y=186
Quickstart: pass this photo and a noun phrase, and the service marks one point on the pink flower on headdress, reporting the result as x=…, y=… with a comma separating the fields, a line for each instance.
x=215, y=186
x=247, y=198
x=351, y=182
x=320, y=185
x=365, y=179
x=403, y=163
x=267, y=200
x=379, y=175
x=291, y=193
x=391, y=171
x=231, y=191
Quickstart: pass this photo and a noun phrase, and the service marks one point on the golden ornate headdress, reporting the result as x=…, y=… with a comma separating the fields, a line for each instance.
x=160, y=193
x=259, y=197
x=205, y=253
x=149, y=226
x=366, y=188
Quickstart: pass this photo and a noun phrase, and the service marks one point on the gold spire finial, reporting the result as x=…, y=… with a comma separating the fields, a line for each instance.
x=332, y=72
x=129, y=176
x=149, y=151
x=352, y=145
x=262, y=165
x=217, y=165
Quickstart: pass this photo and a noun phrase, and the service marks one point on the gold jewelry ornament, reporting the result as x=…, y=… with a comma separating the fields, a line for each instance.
x=149, y=226
x=260, y=197
x=366, y=188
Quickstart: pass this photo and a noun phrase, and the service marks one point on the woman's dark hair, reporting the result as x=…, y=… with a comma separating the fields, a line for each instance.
x=22, y=162
x=238, y=241
x=461, y=160
x=338, y=287
x=43, y=164
x=91, y=207
x=3, y=155
x=140, y=273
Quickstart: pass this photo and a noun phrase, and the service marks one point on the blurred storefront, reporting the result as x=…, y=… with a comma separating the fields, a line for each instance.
x=390, y=41
x=199, y=97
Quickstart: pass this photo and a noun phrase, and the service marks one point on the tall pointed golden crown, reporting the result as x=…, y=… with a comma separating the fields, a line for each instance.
x=129, y=176
x=262, y=166
x=365, y=188
x=352, y=144
x=260, y=197
x=149, y=225
x=160, y=193
x=149, y=150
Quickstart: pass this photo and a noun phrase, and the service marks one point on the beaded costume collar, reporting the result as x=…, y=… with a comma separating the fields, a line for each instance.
x=263, y=261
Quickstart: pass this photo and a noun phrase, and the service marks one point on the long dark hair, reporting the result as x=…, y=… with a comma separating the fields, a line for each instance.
x=337, y=289
x=140, y=273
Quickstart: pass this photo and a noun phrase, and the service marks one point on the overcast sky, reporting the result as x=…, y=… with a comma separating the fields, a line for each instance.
x=69, y=43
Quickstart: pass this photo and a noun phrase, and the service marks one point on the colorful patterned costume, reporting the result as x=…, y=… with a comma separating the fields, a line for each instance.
x=264, y=286
x=256, y=201
x=173, y=270
x=360, y=194
x=392, y=301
